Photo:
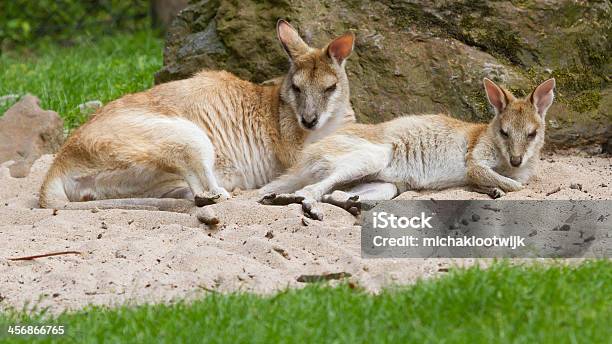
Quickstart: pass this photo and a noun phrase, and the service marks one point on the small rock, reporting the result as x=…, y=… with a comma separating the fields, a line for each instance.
x=576, y=186
x=282, y=252
x=475, y=217
x=104, y=225
x=99, y=236
x=269, y=235
x=89, y=107
x=26, y=133
x=554, y=191
x=95, y=210
x=465, y=222
x=207, y=216
x=120, y=254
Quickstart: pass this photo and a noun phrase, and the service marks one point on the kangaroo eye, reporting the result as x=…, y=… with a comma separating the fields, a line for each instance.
x=295, y=88
x=503, y=133
x=532, y=134
x=330, y=89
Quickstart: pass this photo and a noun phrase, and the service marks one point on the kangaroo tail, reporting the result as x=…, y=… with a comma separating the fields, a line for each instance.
x=53, y=195
x=159, y=204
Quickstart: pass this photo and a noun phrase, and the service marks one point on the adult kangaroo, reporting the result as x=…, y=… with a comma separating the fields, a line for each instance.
x=199, y=137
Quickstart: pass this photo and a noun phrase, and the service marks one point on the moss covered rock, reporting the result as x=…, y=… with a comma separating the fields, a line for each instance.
x=422, y=56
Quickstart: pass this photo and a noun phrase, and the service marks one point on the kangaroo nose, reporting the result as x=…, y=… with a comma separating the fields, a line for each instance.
x=516, y=161
x=310, y=124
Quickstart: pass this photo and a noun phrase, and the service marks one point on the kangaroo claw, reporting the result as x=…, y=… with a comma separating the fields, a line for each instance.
x=310, y=209
x=205, y=199
x=496, y=193
x=281, y=199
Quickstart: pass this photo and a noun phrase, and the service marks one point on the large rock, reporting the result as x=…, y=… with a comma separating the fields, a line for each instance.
x=422, y=56
x=26, y=133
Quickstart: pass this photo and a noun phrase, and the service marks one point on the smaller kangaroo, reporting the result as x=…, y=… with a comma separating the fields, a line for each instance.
x=421, y=152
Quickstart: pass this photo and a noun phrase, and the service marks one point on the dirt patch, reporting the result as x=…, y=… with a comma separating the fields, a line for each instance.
x=138, y=256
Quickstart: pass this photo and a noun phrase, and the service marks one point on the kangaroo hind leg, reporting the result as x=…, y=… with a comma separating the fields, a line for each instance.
x=186, y=150
x=364, y=161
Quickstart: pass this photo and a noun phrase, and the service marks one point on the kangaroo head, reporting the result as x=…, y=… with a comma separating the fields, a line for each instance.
x=518, y=126
x=316, y=86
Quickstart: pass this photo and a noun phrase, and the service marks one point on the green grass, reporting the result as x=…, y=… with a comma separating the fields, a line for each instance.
x=102, y=69
x=502, y=304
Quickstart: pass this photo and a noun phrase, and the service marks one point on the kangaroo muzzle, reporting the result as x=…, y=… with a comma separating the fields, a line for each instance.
x=309, y=124
x=516, y=161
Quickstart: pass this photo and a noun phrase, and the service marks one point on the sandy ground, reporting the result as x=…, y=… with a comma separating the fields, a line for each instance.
x=140, y=256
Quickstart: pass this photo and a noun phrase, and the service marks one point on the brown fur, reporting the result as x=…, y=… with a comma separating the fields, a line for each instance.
x=149, y=138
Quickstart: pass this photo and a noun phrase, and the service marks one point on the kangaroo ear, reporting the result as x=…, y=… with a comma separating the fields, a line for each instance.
x=497, y=97
x=342, y=47
x=543, y=96
x=290, y=39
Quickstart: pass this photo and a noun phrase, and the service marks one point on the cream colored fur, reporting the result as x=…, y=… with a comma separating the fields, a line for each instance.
x=203, y=136
x=426, y=152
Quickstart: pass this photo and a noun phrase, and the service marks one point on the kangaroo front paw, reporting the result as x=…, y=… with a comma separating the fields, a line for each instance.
x=344, y=200
x=211, y=197
x=496, y=193
x=281, y=199
x=310, y=209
